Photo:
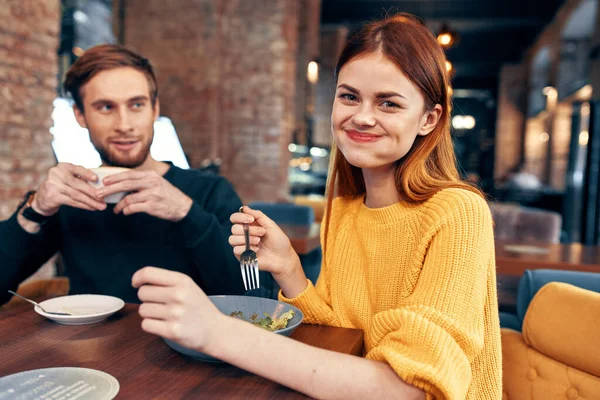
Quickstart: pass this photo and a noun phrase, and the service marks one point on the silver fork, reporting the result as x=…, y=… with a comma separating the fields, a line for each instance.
x=249, y=264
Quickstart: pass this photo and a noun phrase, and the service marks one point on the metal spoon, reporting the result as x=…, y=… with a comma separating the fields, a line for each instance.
x=36, y=304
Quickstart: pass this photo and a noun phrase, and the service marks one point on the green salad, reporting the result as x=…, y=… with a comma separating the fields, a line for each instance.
x=267, y=322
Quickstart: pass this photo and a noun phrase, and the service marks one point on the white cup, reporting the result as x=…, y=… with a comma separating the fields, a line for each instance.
x=103, y=172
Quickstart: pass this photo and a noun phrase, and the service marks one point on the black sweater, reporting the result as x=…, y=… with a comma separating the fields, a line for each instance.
x=101, y=250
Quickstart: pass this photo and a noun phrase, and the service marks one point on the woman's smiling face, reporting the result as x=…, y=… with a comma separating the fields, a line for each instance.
x=377, y=112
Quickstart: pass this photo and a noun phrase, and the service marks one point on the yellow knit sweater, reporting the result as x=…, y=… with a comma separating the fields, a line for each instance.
x=420, y=280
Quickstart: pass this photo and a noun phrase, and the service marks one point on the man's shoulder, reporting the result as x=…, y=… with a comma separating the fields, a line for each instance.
x=203, y=187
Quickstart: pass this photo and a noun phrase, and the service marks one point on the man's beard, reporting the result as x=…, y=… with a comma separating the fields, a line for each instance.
x=116, y=160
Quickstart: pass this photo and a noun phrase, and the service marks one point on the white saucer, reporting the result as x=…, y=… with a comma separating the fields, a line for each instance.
x=526, y=249
x=86, y=308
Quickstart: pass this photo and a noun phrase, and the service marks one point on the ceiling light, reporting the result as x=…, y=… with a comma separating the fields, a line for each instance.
x=81, y=17
x=457, y=122
x=469, y=122
x=444, y=39
x=447, y=37
x=548, y=91
x=463, y=122
x=585, y=109
x=584, y=137
x=586, y=92
x=312, y=73
x=78, y=51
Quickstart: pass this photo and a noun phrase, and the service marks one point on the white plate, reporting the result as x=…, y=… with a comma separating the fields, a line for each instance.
x=63, y=382
x=86, y=308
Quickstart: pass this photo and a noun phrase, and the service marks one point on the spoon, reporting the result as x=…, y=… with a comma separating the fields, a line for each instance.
x=36, y=304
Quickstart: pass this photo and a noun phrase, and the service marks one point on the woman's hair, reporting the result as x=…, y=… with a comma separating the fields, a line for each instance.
x=101, y=58
x=430, y=164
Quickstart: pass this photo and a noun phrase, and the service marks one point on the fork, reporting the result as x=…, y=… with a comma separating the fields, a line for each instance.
x=249, y=264
x=37, y=304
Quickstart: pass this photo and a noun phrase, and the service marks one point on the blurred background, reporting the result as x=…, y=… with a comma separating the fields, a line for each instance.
x=246, y=88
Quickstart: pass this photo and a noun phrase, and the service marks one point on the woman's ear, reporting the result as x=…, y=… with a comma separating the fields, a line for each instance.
x=430, y=120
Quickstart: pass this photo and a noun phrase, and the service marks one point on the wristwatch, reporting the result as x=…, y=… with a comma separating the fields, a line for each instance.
x=29, y=213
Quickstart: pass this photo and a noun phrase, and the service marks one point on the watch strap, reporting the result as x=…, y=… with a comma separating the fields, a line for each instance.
x=29, y=213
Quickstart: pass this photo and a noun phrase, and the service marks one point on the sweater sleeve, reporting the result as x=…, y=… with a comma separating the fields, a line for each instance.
x=205, y=231
x=315, y=301
x=23, y=253
x=432, y=339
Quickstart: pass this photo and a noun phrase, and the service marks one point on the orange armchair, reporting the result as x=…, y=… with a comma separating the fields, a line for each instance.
x=557, y=355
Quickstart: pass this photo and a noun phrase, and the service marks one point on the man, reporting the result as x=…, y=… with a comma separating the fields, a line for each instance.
x=172, y=218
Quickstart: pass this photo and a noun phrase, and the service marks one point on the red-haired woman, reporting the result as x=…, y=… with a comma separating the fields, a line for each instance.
x=408, y=247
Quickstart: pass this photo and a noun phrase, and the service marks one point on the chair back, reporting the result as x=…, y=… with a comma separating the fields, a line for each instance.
x=286, y=213
x=556, y=356
x=525, y=224
x=533, y=280
x=316, y=202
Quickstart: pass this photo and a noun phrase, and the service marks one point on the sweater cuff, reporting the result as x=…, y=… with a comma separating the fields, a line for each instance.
x=314, y=308
x=297, y=298
x=18, y=241
x=194, y=224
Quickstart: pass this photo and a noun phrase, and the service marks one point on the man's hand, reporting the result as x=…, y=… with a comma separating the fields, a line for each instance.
x=151, y=194
x=67, y=184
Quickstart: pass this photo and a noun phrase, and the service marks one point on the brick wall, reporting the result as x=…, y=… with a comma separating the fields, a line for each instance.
x=29, y=32
x=182, y=43
x=227, y=78
x=258, y=89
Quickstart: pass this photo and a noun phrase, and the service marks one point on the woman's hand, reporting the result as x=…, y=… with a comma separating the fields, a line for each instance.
x=174, y=307
x=273, y=249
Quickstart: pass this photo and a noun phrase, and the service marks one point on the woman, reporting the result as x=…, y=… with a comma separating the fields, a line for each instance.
x=408, y=247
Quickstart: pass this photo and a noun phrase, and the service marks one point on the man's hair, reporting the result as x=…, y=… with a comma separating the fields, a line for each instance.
x=102, y=58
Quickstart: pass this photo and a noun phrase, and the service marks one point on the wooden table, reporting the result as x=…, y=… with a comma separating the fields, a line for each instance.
x=304, y=239
x=142, y=363
x=573, y=256
x=510, y=265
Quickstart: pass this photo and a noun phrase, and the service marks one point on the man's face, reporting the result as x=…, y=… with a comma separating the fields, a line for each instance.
x=118, y=113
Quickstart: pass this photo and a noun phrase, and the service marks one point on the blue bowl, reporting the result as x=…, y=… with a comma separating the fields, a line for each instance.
x=248, y=306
